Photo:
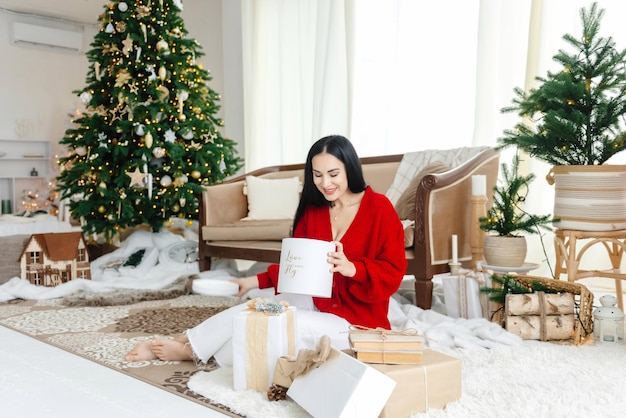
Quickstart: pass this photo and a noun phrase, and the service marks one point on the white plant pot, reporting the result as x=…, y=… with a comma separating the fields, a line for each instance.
x=504, y=251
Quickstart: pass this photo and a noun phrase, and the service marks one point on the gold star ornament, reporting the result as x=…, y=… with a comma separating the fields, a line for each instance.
x=128, y=45
x=136, y=177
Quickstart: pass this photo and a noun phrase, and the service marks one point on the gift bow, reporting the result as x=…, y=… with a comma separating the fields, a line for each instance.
x=269, y=308
x=308, y=360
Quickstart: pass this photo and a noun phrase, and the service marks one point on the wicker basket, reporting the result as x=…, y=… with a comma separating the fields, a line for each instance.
x=582, y=296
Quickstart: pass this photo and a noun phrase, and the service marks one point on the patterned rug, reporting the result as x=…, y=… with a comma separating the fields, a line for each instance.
x=105, y=334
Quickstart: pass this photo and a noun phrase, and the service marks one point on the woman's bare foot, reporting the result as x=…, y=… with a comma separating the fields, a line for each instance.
x=142, y=351
x=171, y=350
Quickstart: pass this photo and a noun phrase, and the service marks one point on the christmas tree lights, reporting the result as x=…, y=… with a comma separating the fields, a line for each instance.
x=148, y=141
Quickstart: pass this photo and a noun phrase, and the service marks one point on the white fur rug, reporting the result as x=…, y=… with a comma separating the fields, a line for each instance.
x=533, y=379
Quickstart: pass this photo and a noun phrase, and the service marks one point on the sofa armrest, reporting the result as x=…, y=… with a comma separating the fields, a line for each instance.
x=443, y=208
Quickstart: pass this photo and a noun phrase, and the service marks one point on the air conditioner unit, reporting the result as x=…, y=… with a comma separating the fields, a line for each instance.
x=26, y=34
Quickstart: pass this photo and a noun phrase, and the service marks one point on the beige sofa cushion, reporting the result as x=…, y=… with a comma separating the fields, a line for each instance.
x=272, y=198
x=249, y=230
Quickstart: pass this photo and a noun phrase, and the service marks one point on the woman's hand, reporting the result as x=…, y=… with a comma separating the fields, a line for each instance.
x=340, y=262
x=246, y=284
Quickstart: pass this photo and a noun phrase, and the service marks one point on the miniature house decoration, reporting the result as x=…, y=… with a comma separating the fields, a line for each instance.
x=53, y=258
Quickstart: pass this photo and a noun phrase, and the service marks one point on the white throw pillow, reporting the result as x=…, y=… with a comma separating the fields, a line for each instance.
x=272, y=198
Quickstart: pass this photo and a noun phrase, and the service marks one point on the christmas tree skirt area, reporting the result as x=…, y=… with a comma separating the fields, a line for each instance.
x=528, y=379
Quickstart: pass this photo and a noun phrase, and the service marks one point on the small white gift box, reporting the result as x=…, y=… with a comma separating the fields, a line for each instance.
x=462, y=295
x=342, y=387
x=259, y=339
x=304, y=267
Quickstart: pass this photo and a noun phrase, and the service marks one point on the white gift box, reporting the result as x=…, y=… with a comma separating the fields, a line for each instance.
x=259, y=339
x=342, y=387
x=462, y=295
x=304, y=267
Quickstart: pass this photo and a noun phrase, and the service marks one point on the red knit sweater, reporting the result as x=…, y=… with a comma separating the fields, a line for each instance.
x=374, y=242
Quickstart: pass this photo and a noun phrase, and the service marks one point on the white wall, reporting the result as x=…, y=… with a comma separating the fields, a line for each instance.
x=36, y=84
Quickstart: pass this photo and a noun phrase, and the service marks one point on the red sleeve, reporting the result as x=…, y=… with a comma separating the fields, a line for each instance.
x=269, y=278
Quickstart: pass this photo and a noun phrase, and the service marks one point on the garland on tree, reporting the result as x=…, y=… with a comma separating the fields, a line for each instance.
x=149, y=140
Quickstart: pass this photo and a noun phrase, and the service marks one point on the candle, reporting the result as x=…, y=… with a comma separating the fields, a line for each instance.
x=455, y=251
x=479, y=185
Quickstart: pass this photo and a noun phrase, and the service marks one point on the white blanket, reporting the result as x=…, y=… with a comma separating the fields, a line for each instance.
x=105, y=279
x=439, y=330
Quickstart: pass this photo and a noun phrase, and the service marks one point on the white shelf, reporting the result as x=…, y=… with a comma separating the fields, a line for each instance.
x=16, y=167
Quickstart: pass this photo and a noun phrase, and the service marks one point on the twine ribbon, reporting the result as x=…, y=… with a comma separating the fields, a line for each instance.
x=543, y=331
x=384, y=334
x=257, y=333
x=462, y=298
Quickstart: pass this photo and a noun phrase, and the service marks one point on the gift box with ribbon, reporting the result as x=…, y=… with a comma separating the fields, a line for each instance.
x=262, y=333
x=432, y=384
x=385, y=346
x=331, y=383
x=462, y=295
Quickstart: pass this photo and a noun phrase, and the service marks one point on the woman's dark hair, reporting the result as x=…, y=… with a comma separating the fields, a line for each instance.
x=341, y=148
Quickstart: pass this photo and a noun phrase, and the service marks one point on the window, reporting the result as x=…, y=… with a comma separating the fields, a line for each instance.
x=35, y=257
x=36, y=278
x=414, y=75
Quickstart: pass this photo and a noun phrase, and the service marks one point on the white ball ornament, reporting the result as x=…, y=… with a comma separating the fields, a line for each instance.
x=81, y=151
x=158, y=152
x=187, y=133
x=122, y=7
x=162, y=46
x=166, y=181
x=85, y=97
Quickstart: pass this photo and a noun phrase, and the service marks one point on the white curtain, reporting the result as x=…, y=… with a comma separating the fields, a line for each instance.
x=402, y=75
x=296, y=76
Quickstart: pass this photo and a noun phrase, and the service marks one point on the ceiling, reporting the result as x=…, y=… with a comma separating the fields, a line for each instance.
x=84, y=11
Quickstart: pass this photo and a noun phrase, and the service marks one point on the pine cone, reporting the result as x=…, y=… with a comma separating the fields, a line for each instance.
x=276, y=393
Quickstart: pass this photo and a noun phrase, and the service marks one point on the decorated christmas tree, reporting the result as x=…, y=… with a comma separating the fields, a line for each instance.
x=149, y=140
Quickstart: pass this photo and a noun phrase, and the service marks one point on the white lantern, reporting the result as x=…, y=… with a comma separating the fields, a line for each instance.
x=608, y=321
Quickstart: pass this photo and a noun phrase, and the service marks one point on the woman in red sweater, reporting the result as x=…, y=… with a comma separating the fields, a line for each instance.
x=368, y=263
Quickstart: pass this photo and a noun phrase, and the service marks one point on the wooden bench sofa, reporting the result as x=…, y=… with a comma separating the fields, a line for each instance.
x=441, y=203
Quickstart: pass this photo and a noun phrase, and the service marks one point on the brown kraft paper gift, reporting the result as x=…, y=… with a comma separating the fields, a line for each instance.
x=432, y=384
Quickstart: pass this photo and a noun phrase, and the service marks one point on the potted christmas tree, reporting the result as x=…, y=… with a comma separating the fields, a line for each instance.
x=506, y=219
x=575, y=120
